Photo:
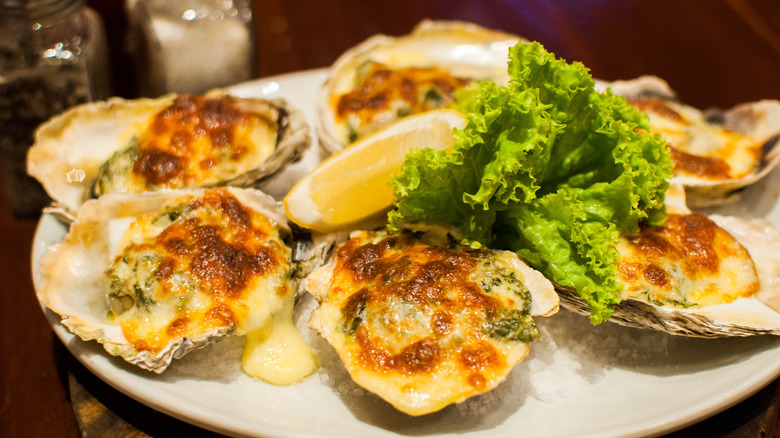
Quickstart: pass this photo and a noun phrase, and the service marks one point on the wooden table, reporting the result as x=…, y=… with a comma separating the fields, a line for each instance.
x=713, y=52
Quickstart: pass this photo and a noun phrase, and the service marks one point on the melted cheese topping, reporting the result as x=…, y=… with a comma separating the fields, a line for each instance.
x=424, y=326
x=277, y=353
x=384, y=95
x=688, y=262
x=697, y=147
x=202, y=264
x=196, y=141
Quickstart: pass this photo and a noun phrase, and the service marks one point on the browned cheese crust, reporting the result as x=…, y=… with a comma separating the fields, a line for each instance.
x=215, y=254
x=687, y=262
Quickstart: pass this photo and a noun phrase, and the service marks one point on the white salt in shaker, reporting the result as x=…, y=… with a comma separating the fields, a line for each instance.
x=191, y=46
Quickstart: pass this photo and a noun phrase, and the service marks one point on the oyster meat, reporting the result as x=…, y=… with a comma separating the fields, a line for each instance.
x=696, y=275
x=715, y=152
x=423, y=322
x=386, y=78
x=171, y=142
x=152, y=276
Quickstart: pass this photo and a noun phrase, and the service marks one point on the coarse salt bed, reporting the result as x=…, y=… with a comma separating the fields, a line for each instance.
x=570, y=353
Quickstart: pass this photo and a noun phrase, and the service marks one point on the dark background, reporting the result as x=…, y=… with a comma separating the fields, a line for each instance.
x=712, y=52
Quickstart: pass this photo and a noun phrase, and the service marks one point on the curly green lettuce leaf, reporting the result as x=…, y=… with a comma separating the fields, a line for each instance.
x=547, y=167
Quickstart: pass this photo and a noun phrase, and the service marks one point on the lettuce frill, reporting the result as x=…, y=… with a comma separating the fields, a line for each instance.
x=547, y=167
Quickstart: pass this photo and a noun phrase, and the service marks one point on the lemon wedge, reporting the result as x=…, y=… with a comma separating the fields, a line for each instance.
x=351, y=186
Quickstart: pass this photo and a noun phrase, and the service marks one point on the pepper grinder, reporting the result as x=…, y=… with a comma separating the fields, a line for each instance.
x=53, y=55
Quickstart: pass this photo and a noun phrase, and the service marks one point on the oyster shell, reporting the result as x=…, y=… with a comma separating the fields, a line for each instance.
x=386, y=78
x=747, y=304
x=716, y=152
x=423, y=322
x=170, y=142
x=152, y=276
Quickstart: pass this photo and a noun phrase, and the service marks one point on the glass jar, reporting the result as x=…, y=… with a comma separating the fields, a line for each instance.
x=53, y=55
x=191, y=46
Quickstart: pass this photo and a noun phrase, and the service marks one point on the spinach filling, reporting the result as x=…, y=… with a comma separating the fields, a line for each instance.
x=514, y=324
x=510, y=325
x=114, y=171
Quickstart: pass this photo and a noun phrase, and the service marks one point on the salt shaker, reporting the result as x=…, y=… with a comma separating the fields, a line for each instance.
x=191, y=46
x=53, y=55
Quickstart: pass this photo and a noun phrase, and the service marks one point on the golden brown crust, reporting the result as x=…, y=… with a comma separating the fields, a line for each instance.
x=705, y=167
x=383, y=86
x=687, y=259
x=699, y=148
x=423, y=322
x=690, y=239
x=187, y=140
x=224, y=248
x=435, y=280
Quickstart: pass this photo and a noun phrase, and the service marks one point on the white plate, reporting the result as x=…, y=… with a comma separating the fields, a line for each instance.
x=579, y=380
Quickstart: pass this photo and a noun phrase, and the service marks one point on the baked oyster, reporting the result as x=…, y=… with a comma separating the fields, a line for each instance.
x=716, y=153
x=152, y=276
x=171, y=142
x=424, y=322
x=386, y=78
x=697, y=275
